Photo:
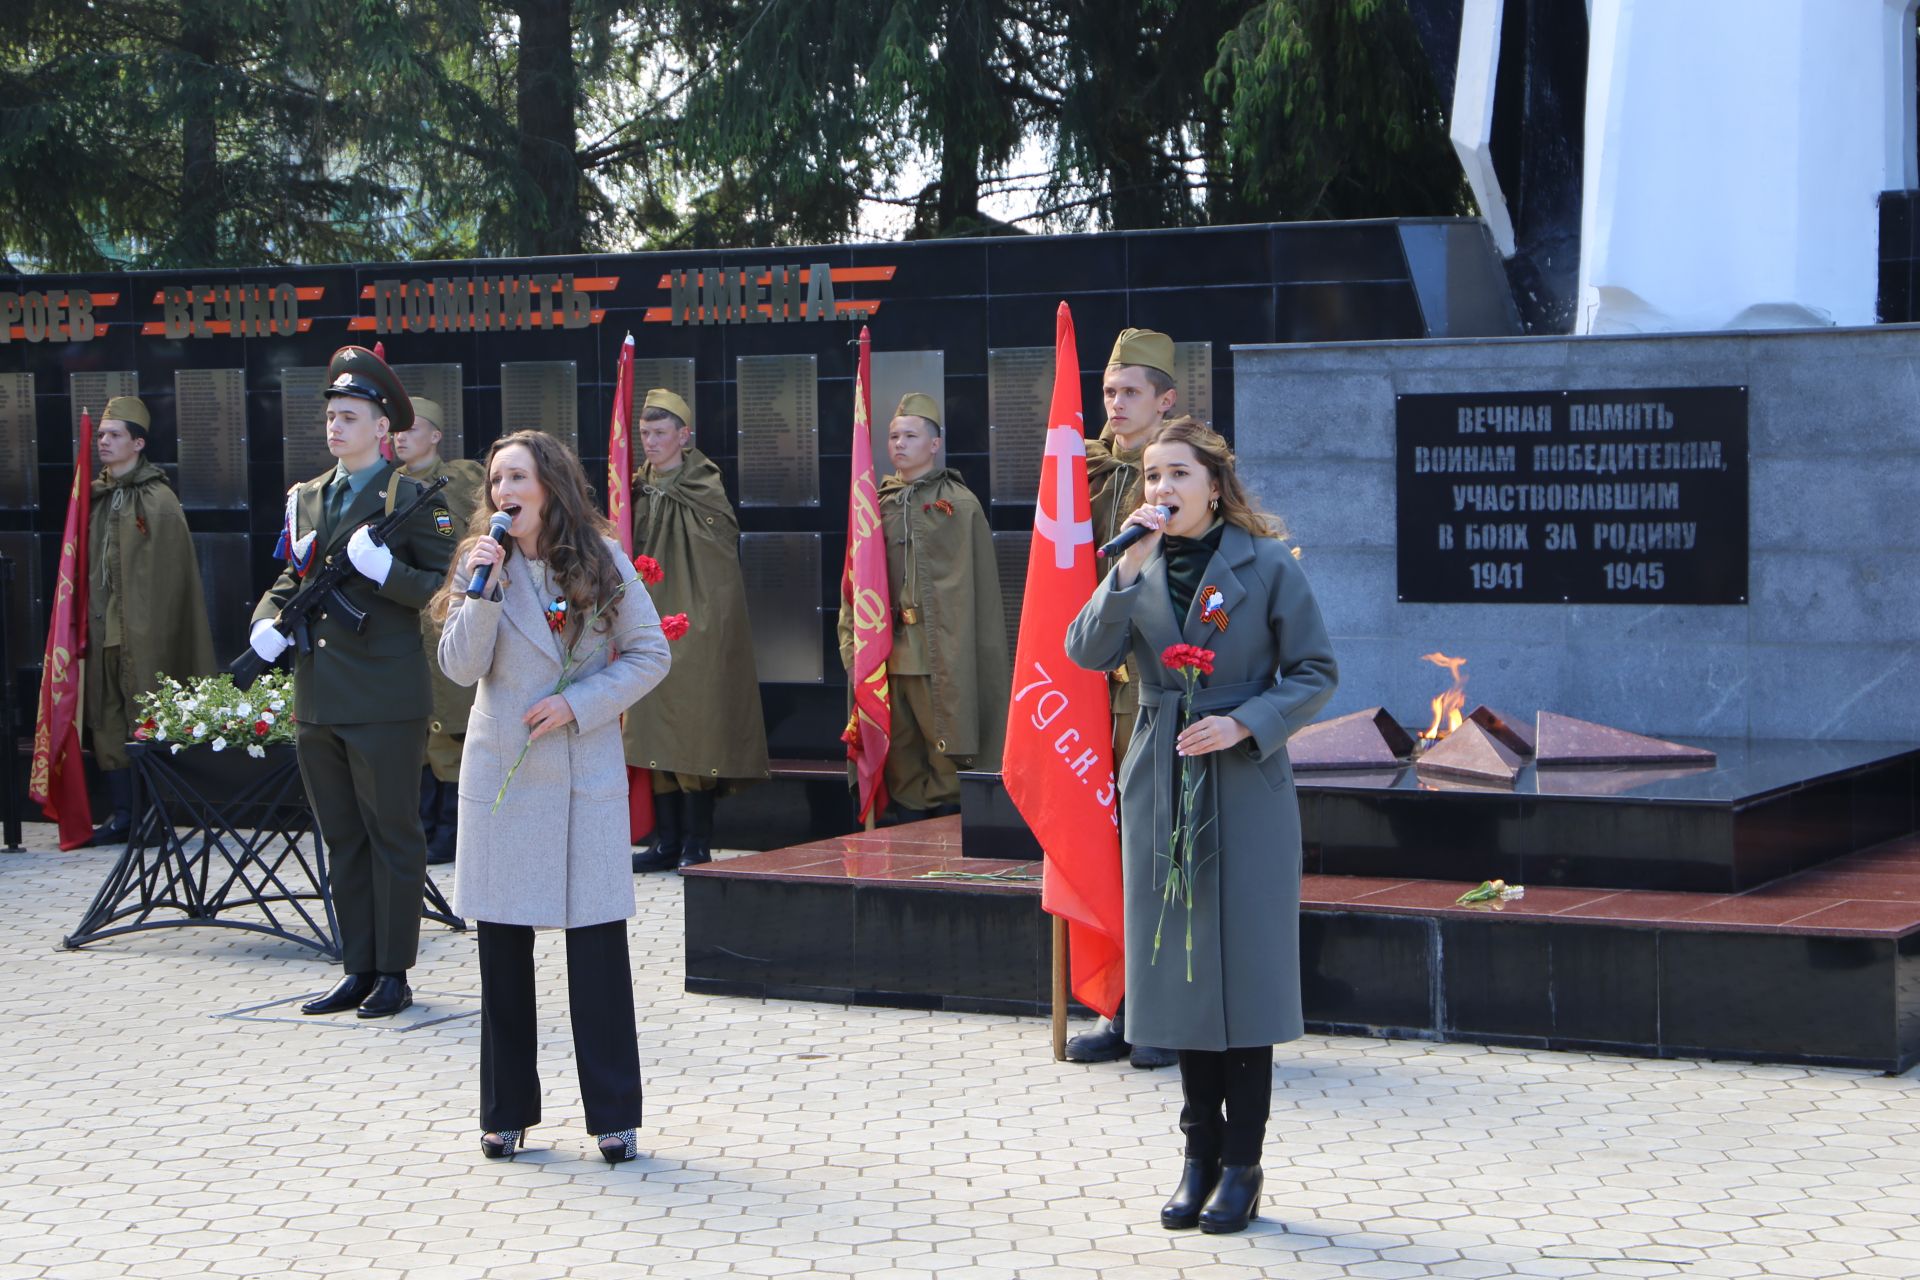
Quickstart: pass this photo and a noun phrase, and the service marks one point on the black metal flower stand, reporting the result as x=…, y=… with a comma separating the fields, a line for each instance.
x=220, y=833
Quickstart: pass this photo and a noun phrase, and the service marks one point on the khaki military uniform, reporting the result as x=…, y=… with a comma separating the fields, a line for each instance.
x=447, y=726
x=1114, y=479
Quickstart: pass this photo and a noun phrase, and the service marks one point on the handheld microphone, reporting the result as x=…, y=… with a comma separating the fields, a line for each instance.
x=497, y=530
x=1130, y=535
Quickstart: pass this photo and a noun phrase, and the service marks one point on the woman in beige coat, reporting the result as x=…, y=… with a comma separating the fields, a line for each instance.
x=559, y=646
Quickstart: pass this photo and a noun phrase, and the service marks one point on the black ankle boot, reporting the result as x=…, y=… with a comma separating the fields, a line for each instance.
x=699, y=848
x=117, y=828
x=1182, y=1212
x=669, y=834
x=1235, y=1200
x=1107, y=1042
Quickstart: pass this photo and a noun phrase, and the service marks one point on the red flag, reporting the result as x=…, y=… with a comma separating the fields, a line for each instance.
x=863, y=589
x=620, y=452
x=56, y=781
x=1058, y=765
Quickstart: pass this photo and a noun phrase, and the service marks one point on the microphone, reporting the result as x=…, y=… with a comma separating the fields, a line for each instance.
x=497, y=530
x=1130, y=535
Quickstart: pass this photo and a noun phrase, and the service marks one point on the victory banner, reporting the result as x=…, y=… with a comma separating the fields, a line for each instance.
x=863, y=589
x=56, y=782
x=1059, y=758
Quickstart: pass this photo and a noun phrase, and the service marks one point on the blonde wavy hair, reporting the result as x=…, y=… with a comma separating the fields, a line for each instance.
x=1237, y=506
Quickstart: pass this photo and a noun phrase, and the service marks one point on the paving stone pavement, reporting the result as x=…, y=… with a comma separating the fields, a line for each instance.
x=165, y=1112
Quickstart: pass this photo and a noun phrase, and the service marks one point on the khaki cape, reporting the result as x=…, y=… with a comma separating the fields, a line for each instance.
x=1116, y=490
x=705, y=717
x=940, y=562
x=143, y=586
x=451, y=702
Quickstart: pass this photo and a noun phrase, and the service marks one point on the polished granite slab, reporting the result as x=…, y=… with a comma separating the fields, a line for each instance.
x=1822, y=966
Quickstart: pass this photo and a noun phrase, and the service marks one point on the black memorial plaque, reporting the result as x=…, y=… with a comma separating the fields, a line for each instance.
x=26, y=634
x=1193, y=374
x=782, y=573
x=674, y=373
x=444, y=385
x=1019, y=397
x=541, y=395
x=225, y=576
x=779, y=430
x=19, y=442
x=1011, y=548
x=303, y=424
x=210, y=414
x=1583, y=497
x=91, y=390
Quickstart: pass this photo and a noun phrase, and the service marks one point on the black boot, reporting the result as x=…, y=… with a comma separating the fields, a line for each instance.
x=669, y=834
x=117, y=828
x=346, y=994
x=444, y=837
x=1235, y=1200
x=1107, y=1042
x=699, y=847
x=1182, y=1212
x=389, y=996
x=1146, y=1057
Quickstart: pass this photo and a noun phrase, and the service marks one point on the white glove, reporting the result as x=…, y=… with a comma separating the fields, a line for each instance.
x=371, y=558
x=267, y=640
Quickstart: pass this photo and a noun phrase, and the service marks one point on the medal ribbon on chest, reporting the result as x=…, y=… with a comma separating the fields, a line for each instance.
x=1211, y=607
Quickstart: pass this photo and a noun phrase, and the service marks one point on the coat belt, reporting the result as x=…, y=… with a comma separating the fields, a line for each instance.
x=1160, y=706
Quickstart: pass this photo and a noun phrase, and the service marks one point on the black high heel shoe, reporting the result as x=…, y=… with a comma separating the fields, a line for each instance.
x=628, y=1148
x=1182, y=1212
x=502, y=1144
x=1235, y=1200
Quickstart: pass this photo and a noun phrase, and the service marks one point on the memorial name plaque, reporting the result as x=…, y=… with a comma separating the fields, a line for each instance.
x=895, y=373
x=1010, y=551
x=442, y=384
x=1583, y=497
x=210, y=414
x=1019, y=397
x=675, y=373
x=1193, y=374
x=782, y=573
x=91, y=391
x=19, y=442
x=779, y=431
x=542, y=395
x=303, y=424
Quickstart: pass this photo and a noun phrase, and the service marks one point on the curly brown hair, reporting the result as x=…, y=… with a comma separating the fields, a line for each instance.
x=1237, y=506
x=573, y=533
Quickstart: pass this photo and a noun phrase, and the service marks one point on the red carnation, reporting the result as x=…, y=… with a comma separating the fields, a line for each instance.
x=261, y=728
x=674, y=625
x=1180, y=657
x=649, y=569
x=144, y=730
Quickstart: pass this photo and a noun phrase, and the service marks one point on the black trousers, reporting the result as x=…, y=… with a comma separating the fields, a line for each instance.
x=1228, y=1095
x=600, y=1005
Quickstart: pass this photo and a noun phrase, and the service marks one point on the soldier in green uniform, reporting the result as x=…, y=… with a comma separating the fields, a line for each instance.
x=1139, y=393
x=417, y=449
x=949, y=672
x=362, y=698
x=147, y=615
x=700, y=732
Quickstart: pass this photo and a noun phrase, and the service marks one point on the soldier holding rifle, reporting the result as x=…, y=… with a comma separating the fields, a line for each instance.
x=361, y=691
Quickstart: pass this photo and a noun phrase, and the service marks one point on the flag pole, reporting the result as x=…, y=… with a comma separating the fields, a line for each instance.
x=1059, y=988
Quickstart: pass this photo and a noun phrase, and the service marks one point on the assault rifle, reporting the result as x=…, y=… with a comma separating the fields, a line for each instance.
x=322, y=588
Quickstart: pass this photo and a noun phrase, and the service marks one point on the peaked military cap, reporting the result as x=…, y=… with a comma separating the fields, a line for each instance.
x=661, y=398
x=131, y=410
x=357, y=372
x=1144, y=347
x=918, y=404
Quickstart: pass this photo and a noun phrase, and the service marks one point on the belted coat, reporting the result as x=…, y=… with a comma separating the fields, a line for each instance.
x=555, y=855
x=1273, y=670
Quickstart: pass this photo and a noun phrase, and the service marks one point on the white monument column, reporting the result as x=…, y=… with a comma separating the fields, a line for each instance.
x=1735, y=151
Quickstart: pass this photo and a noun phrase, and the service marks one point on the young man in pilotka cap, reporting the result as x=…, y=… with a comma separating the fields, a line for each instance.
x=700, y=732
x=362, y=698
x=146, y=614
x=1139, y=393
x=949, y=671
x=417, y=449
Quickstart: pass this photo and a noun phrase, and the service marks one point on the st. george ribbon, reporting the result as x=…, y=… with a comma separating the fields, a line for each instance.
x=497, y=530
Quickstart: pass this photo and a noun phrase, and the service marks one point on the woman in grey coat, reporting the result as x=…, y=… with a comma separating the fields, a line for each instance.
x=1212, y=573
x=543, y=780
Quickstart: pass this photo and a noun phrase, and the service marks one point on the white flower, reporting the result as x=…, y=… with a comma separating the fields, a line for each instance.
x=200, y=730
x=219, y=744
x=160, y=733
x=267, y=716
x=277, y=705
x=178, y=747
x=188, y=704
x=245, y=710
x=257, y=751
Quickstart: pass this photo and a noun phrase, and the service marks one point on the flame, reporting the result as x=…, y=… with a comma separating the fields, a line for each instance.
x=1446, y=707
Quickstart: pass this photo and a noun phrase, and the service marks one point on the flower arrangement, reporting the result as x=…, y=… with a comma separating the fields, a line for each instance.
x=210, y=712
x=1190, y=662
x=1494, y=891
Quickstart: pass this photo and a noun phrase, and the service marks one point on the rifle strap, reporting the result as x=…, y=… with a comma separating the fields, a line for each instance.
x=393, y=488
